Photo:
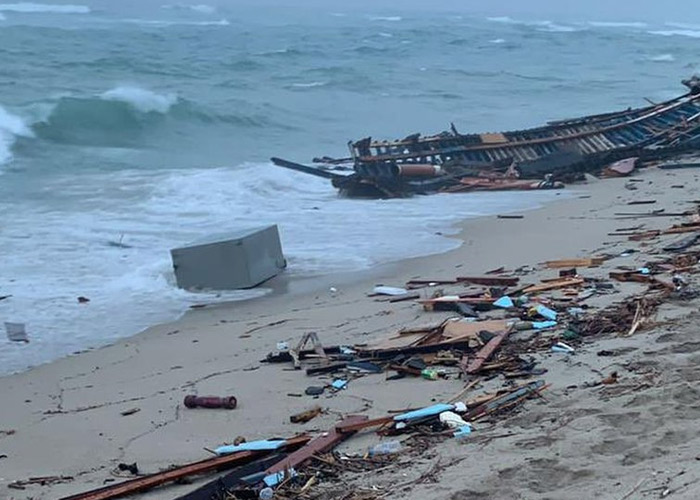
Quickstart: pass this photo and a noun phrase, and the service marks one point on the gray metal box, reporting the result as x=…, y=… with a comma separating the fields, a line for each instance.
x=241, y=259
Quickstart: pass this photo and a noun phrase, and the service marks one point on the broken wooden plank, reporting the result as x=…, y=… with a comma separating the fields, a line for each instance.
x=489, y=280
x=475, y=364
x=326, y=369
x=563, y=283
x=681, y=229
x=321, y=444
x=646, y=235
x=626, y=276
x=346, y=427
x=586, y=262
x=683, y=243
x=202, y=467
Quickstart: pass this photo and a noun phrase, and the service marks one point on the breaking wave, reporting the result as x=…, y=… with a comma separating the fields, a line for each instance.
x=29, y=7
x=11, y=127
x=141, y=99
x=121, y=116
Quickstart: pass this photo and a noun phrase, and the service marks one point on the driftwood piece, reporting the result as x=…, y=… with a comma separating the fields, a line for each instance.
x=563, y=283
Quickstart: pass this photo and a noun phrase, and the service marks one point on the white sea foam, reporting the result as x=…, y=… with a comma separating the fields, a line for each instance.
x=617, y=24
x=662, y=58
x=551, y=27
x=547, y=26
x=158, y=23
x=680, y=32
x=503, y=19
x=29, y=7
x=11, y=127
x=201, y=8
x=141, y=99
x=497, y=40
x=393, y=19
x=309, y=85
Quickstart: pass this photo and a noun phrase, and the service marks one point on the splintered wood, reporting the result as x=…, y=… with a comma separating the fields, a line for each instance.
x=590, y=262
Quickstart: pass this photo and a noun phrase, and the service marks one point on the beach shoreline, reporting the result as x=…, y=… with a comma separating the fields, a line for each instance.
x=74, y=406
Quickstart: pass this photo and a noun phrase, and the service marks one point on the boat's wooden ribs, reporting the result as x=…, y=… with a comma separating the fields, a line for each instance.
x=671, y=121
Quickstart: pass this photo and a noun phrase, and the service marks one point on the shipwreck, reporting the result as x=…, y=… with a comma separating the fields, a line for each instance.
x=537, y=158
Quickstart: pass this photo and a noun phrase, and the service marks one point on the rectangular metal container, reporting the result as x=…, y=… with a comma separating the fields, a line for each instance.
x=241, y=259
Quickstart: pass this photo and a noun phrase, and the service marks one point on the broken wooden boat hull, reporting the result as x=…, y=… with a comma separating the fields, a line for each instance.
x=420, y=164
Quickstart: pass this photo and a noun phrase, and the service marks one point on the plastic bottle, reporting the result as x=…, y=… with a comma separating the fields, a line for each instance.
x=386, y=448
x=266, y=494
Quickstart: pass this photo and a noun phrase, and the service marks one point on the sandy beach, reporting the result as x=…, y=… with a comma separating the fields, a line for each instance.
x=636, y=438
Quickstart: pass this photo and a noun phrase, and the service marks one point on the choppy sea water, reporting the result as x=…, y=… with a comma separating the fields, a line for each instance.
x=133, y=128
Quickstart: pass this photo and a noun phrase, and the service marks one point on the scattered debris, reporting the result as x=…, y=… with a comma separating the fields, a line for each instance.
x=130, y=411
x=305, y=416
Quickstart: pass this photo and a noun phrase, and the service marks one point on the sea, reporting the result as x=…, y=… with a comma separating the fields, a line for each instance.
x=130, y=128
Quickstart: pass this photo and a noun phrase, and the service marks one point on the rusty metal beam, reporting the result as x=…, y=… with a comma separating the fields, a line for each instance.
x=204, y=466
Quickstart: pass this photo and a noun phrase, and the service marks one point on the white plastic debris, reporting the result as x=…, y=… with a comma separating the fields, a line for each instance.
x=452, y=420
x=389, y=290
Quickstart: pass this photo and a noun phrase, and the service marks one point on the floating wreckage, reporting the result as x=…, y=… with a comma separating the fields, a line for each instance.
x=560, y=151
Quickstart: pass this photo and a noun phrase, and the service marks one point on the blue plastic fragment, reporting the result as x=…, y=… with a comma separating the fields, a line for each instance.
x=266, y=444
x=644, y=270
x=540, y=325
x=546, y=312
x=425, y=412
x=460, y=432
x=339, y=384
x=504, y=302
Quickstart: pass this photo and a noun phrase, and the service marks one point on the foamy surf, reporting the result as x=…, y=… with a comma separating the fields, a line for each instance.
x=123, y=261
x=143, y=100
x=30, y=8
